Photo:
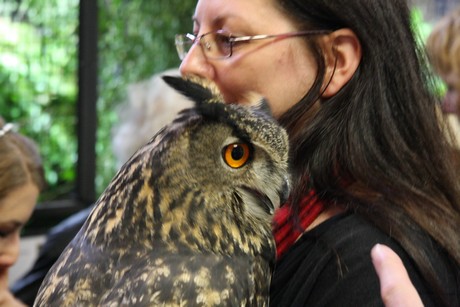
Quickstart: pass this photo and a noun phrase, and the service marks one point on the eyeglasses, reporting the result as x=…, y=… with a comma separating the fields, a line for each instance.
x=220, y=44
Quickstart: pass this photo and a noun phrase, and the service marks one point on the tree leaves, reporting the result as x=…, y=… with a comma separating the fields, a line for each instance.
x=38, y=71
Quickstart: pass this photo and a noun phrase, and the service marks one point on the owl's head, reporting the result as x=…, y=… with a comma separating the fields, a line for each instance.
x=235, y=148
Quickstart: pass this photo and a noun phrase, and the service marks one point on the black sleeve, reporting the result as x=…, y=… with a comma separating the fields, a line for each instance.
x=331, y=266
x=314, y=273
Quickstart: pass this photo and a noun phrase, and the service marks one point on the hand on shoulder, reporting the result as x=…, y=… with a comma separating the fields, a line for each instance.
x=395, y=285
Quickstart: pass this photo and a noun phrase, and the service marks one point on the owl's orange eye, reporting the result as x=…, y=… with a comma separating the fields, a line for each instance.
x=236, y=155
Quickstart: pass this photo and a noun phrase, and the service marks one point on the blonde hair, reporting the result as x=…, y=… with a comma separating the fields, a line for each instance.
x=20, y=162
x=443, y=44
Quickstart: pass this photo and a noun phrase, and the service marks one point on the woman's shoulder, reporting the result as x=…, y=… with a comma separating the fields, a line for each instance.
x=348, y=233
x=328, y=266
x=331, y=265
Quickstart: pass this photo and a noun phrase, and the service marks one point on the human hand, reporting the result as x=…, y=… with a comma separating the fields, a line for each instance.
x=6, y=297
x=395, y=285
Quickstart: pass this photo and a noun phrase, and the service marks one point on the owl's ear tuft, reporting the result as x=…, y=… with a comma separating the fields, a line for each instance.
x=258, y=105
x=197, y=89
x=263, y=107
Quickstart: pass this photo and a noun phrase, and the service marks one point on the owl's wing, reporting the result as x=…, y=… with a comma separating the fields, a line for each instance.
x=77, y=276
x=191, y=279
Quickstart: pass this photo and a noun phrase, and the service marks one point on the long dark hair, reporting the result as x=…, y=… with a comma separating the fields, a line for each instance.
x=378, y=146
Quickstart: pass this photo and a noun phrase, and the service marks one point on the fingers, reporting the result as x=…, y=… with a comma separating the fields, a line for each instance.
x=395, y=285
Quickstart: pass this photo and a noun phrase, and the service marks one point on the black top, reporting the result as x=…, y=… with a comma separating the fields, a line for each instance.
x=331, y=266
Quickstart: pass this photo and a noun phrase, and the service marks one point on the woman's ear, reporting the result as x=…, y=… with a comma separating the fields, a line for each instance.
x=343, y=55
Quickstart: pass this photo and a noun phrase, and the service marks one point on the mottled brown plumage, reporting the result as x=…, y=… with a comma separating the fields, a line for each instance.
x=178, y=225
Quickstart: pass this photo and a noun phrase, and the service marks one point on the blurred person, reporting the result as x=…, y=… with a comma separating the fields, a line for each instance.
x=150, y=105
x=443, y=46
x=21, y=181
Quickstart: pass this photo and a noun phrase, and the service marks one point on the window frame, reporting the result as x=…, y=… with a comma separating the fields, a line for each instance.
x=49, y=213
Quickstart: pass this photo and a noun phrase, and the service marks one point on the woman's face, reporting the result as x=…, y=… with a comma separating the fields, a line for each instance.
x=15, y=210
x=282, y=70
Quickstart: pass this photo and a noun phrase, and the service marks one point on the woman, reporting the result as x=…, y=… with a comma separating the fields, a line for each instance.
x=369, y=157
x=21, y=180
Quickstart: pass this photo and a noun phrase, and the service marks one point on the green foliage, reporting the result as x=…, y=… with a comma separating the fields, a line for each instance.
x=136, y=40
x=38, y=79
x=38, y=71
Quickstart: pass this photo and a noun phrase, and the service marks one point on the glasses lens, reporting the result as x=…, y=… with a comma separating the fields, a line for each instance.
x=223, y=45
x=215, y=45
x=183, y=44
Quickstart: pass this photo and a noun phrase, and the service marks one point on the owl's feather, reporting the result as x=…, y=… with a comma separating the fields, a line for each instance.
x=180, y=224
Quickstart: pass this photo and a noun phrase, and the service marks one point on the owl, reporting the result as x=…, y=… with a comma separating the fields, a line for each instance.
x=186, y=221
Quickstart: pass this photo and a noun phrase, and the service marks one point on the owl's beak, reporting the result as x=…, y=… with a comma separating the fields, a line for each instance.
x=284, y=192
x=268, y=203
x=259, y=198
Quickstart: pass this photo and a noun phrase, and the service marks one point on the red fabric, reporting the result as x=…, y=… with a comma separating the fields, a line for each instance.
x=286, y=232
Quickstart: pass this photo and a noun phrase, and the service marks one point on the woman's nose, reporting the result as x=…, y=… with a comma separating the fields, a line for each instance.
x=196, y=63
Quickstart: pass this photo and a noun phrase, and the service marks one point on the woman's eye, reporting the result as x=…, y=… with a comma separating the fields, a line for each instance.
x=223, y=42
x=236, y=155
x=223, y=38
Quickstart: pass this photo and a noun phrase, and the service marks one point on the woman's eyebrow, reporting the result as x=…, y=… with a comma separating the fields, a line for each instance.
x=219, y=20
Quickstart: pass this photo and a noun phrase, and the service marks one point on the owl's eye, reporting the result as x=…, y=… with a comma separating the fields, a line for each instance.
x=236, y=155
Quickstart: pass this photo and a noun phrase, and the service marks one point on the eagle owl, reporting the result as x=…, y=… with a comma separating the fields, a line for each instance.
x=187, y=220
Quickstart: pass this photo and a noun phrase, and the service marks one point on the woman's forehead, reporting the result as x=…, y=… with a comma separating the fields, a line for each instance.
x=253, y=14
